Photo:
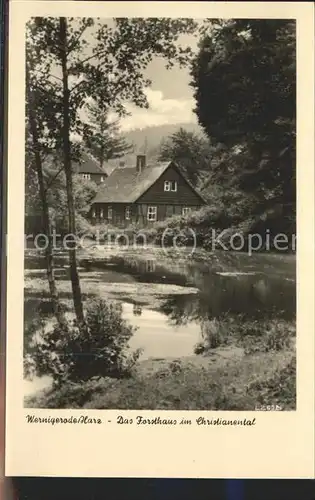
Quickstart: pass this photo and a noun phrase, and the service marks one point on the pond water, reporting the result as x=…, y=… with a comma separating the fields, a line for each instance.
x=158, y=336
x=189, y=291
x=259, y=285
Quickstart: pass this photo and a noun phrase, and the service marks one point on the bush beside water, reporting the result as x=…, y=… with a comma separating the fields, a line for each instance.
x=92, y=366
x=99, y=347
x=262, y=335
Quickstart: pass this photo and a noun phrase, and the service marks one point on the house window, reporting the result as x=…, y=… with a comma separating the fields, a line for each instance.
x=102, y=213
x=127, y=213
x=93, y=212
x=170, y=186
x=110, y=213
x=102, y=178
x=150, y=266
x=186, y=210
x=86, y=177
x=152, y=213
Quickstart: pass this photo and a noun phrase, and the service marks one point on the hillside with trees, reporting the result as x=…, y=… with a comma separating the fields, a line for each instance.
x=104, y=138
x=151, y=137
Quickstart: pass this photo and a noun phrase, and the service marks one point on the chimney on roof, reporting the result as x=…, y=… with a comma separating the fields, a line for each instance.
x=141, y=162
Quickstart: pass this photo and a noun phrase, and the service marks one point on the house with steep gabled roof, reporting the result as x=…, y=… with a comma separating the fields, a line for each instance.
x=144, y=194
x=89, y=169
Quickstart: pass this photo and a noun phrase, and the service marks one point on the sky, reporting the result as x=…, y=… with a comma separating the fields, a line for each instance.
x=170, y=97
x=170, y=100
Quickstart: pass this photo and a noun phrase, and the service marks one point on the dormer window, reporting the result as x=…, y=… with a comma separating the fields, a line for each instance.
x=170, y=186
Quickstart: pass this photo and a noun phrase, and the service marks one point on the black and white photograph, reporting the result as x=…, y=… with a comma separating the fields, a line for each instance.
x=160, y=214
x=159, y=244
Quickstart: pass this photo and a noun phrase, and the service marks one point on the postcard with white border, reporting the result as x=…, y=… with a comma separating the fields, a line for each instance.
x=160, y=243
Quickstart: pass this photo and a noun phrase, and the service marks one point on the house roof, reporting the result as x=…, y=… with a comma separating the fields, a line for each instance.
x=88, y=165
x=126, y=185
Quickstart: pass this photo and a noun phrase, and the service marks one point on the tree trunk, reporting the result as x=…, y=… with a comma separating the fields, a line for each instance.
x=45, y=214
x=75, y=282
x=102, y=153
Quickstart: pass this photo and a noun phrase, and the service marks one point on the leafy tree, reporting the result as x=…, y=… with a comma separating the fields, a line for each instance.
x=35, y=148
x=112, y=74
x=192, y=151
x=32, y=200
x=105, y=139
x=245, y=90
x=83, y=193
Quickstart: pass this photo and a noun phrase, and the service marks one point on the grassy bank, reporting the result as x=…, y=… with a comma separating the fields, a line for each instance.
x=246, y=384
x=247, y=367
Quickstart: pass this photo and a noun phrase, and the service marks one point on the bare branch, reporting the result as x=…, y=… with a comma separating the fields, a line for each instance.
x=100, y=52
x=76, y=85
x=50, y=75
x=49, y=184
x=73, y=45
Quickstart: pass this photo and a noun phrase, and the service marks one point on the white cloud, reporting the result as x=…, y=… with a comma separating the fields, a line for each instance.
x=161, y=111
x=74, y=80
x=75, y=138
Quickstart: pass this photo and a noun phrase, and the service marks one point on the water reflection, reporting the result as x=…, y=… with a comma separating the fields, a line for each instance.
x=157, y=337
x=137, y=310
x=142, y=270
x=253, y=300
x=257, y=292
x=257, y=287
